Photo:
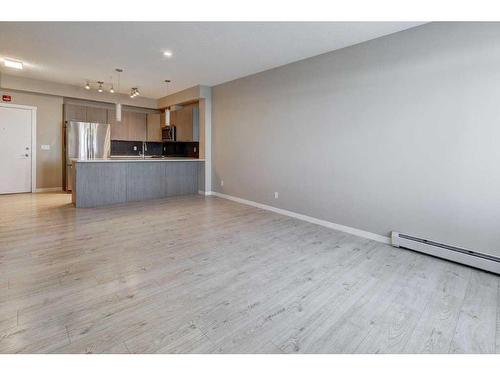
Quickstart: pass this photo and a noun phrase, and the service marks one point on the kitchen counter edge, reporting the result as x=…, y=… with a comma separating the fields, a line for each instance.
x=133, y=160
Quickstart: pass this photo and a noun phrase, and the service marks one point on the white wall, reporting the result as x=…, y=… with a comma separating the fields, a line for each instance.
x=399, y=133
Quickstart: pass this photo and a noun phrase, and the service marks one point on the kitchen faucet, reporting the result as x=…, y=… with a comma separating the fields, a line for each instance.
x=144, y=149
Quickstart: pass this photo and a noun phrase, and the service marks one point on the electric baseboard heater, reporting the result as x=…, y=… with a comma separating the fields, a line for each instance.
x=456, y=254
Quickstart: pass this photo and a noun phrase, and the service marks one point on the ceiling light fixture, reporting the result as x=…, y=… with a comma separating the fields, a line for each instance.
x=13, y=64
x=87, y=86
x=134, y=92
x=100, y=86
x=112, y=90
x=167, y=53
x=167, y=110
x=118, y=108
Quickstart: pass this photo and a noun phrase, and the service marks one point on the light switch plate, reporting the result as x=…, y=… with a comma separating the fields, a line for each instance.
x=45, y=147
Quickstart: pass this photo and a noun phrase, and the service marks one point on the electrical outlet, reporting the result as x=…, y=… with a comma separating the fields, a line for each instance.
x=276, y=195
x=135, y=148
x=221, y=182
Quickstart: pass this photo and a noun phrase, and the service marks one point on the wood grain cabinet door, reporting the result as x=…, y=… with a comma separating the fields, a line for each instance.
x=184, y=124
x=74, y=112
x=118, y=130
x=153, y=127
x=98, y=115
x=136, y=126
x=131, y=128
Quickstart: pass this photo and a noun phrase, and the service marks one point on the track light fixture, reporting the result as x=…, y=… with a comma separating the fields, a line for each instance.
x=110, y=87
x=101, y=86
x=134, y=92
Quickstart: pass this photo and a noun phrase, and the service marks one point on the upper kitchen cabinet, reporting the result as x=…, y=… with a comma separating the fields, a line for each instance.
x=153, y=131
x=136, y=125
x=74, y=112
x=131, y=128
x=186, y=121
x=99, y=115
x=83, y=113
x=117, y=131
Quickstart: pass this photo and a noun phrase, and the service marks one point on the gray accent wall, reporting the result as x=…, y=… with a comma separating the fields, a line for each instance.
x=398, y=133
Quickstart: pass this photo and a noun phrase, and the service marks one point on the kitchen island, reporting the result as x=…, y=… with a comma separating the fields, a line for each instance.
x=101, y=182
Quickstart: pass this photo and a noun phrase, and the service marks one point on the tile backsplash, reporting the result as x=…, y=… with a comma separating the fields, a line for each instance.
x=126, y=148
x=154, y=148
x=134, y=148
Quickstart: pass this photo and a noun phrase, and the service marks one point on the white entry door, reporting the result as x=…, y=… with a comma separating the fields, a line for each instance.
x=15, y=149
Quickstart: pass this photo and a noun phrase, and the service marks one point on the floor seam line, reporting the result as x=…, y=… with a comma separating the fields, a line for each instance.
x=67, y=334
x=460, y=313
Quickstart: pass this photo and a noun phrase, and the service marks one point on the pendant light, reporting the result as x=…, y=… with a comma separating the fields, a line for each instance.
x=118, y=109
x=167, y=110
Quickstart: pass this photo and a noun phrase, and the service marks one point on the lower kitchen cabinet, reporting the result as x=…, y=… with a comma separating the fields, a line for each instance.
x=100, y=183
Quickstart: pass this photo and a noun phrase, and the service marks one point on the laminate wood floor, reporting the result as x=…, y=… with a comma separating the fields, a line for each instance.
x=206, y=275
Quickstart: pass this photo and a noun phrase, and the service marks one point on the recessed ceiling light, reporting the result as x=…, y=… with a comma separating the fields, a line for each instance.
x=13, y=64
x=167, y=53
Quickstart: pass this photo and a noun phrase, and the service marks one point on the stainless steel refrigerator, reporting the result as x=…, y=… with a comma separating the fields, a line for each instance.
x=85, y=140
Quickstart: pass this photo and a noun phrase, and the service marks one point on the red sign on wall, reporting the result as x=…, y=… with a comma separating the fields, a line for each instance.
x=6, y=98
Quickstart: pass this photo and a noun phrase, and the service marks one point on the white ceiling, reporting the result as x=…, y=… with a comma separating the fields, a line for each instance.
x=206, y=53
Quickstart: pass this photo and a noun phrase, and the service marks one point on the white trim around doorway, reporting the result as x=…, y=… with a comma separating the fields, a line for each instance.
x=33, y=138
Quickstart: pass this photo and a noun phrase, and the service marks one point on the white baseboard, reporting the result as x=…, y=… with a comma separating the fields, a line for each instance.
x=310, y=219
x=203, y=192
x=46, y=190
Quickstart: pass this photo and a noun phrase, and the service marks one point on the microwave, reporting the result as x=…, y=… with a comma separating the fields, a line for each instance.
x=168, y=133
